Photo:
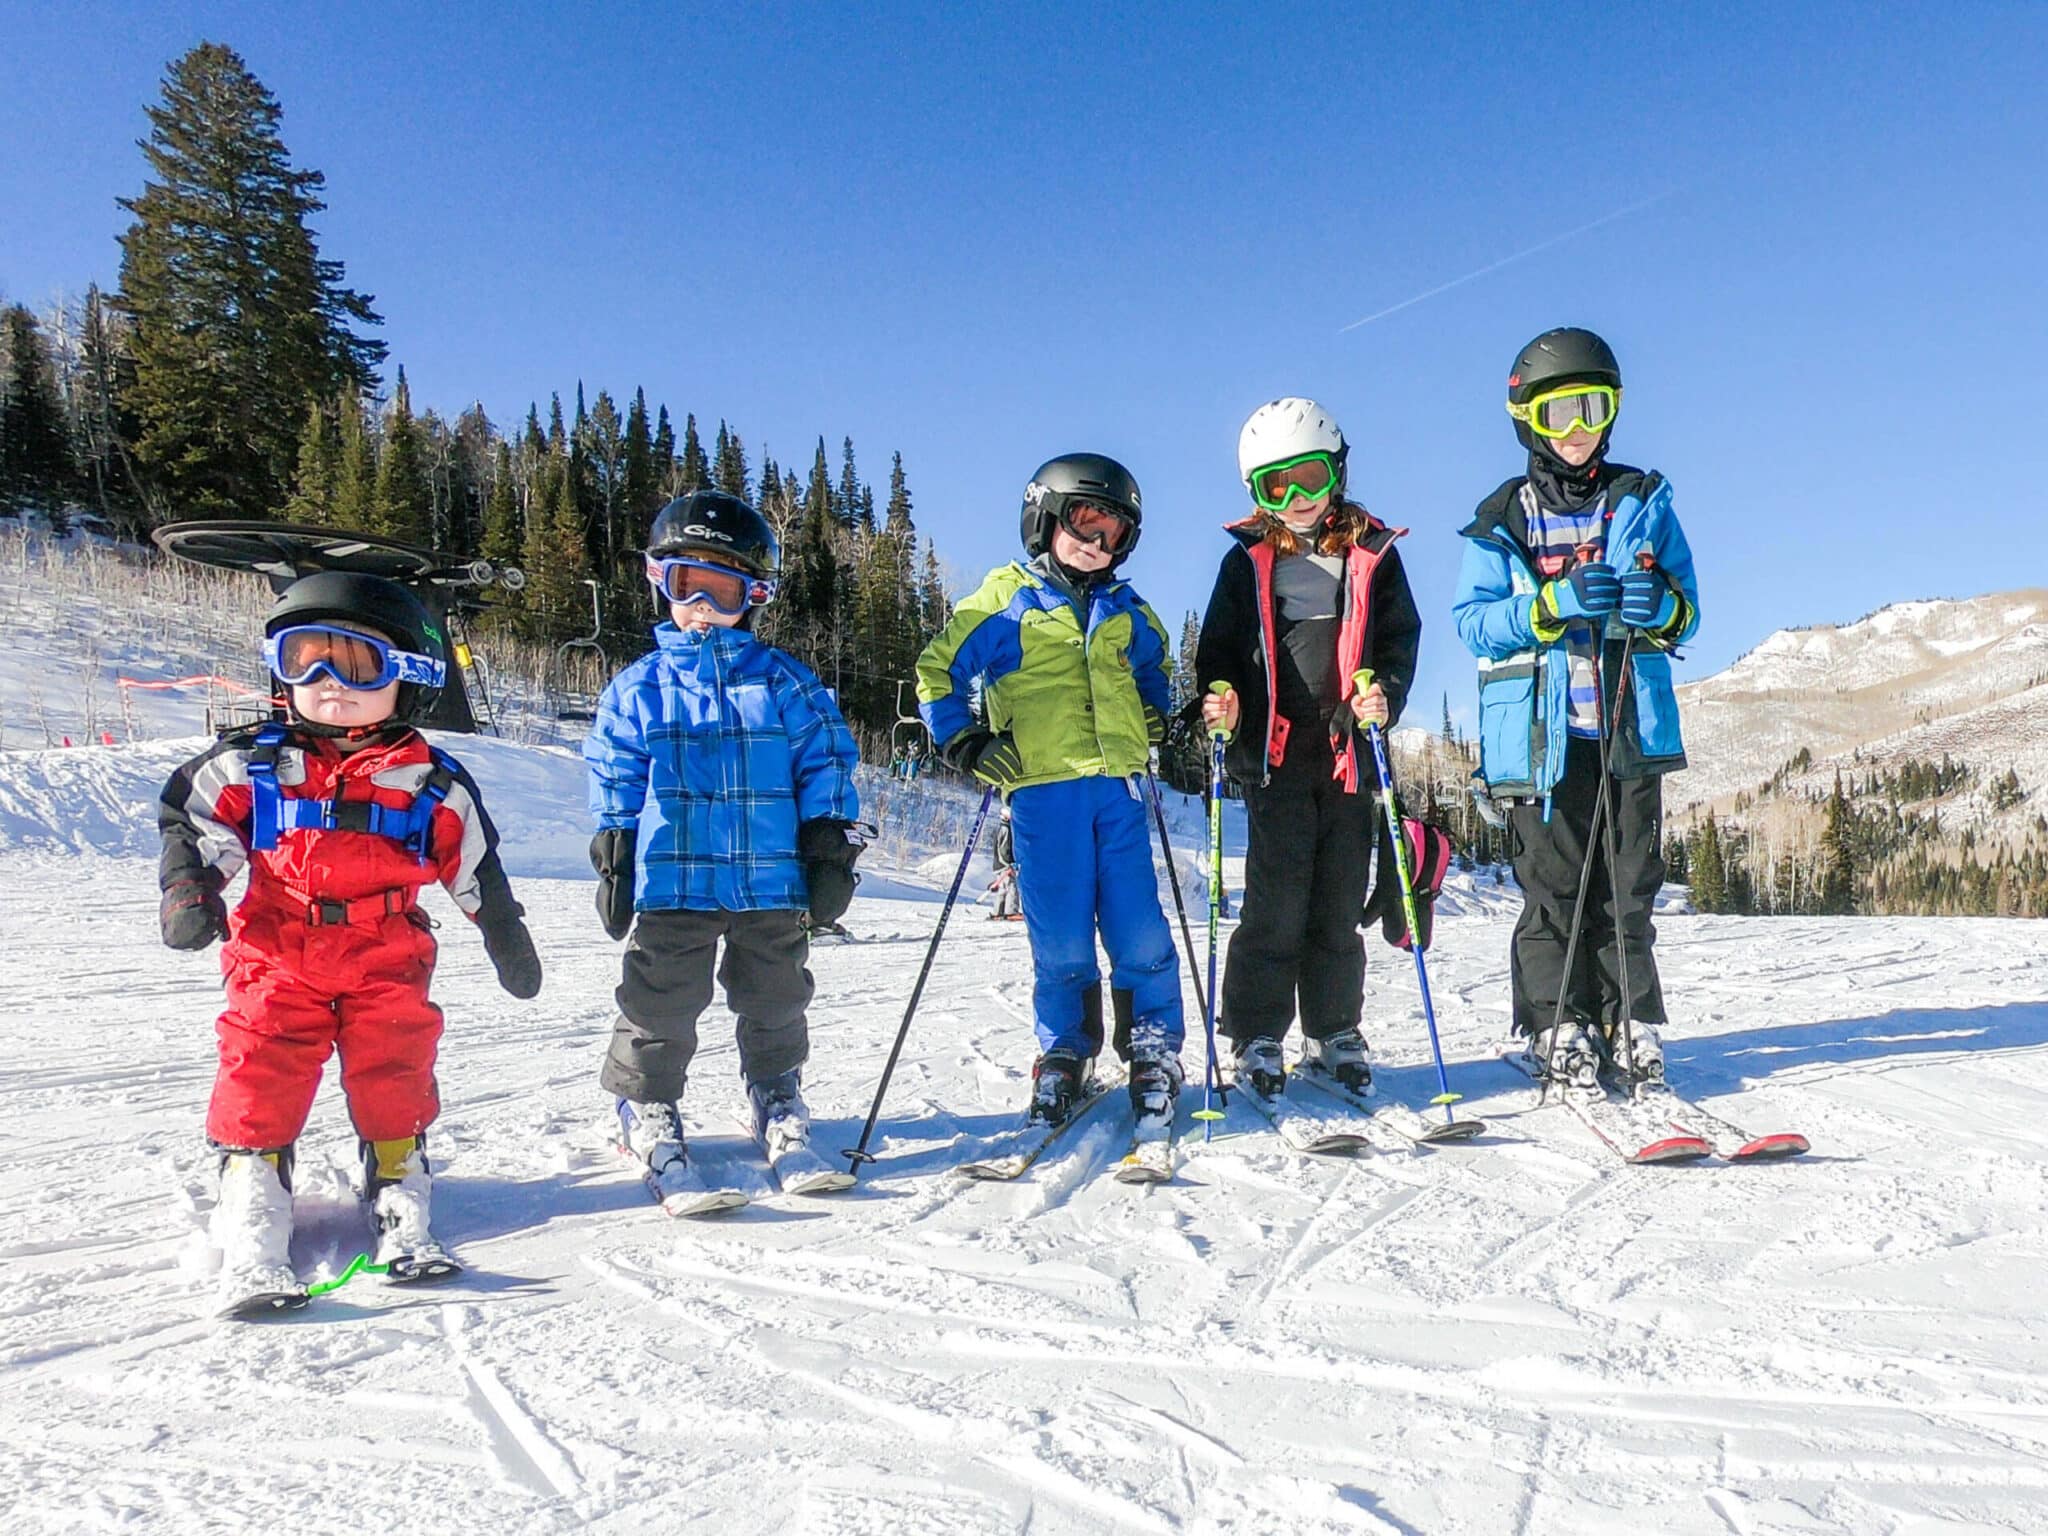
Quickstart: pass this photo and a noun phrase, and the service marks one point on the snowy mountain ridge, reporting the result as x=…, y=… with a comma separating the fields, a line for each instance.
x=1967, y=677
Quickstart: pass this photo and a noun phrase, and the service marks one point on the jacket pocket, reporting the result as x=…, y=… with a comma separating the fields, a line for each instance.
x=1507, y=709
x=1656, y=706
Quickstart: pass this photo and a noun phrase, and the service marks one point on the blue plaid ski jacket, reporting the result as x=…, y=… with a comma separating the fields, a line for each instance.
x=718, y=747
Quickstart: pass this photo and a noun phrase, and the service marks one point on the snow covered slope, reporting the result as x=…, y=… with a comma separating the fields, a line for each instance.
x=1522, y=1335
x=1914, y=680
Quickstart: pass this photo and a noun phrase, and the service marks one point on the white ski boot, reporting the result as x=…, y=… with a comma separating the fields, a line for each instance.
x=1343, y=1057
x=782, y=1121
x=1572, y=1060
x=252, y=1228
x=1156, y=1079
x=1257, y=1064
x=1647, y=1063
x=400, y=1188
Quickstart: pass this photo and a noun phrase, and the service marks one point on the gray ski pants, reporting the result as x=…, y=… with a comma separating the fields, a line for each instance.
x=666, y=987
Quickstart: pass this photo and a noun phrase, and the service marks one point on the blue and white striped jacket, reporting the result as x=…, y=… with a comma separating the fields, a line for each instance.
x=718, y=747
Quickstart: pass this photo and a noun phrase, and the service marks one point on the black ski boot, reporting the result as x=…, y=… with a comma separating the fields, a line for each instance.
x=1059, y=1082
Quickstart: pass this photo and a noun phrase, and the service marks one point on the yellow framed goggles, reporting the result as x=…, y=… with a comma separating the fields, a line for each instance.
x=1560, y=412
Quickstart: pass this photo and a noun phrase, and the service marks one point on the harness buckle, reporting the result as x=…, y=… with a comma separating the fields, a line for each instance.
x=324, y=913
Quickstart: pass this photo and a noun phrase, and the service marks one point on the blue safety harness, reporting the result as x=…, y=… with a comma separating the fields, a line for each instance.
x=275, y=812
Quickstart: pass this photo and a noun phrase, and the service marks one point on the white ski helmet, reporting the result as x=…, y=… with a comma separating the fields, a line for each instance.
x=1286, y=429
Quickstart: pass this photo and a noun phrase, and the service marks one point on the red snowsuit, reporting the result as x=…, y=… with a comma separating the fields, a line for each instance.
x=328, y=948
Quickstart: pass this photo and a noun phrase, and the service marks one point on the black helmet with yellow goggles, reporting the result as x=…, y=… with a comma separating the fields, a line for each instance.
x=1564, y=379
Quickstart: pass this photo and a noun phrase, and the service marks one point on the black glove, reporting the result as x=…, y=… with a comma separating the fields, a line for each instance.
x=828, y=849
x=990, y=757
x=192, y=915
x=611, y=855
x=1155, y=726
x=511, y=950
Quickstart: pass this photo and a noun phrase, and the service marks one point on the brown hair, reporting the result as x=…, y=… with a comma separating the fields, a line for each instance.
x=1344, y=524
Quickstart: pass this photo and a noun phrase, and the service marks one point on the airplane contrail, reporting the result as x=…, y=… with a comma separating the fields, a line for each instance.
x=1495, y=266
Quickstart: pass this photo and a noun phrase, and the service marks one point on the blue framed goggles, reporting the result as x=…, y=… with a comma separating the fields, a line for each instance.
x=353, y=659
x=731, y=592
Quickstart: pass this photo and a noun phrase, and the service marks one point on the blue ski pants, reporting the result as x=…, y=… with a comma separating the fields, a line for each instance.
x=1084, y=861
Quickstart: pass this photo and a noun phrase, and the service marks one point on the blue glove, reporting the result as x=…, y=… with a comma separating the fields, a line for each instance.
x=1590, y=591
x=1646, y=600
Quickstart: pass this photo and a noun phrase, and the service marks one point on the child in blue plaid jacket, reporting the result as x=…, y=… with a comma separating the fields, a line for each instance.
x=721, y=776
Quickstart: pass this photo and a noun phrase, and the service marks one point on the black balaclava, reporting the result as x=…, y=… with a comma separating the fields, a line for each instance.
x=1559, y=486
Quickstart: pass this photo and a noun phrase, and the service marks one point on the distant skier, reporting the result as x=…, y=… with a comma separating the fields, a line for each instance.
x=342, y=813
x=1310, y=592
x=1563, y=564
x=1009, y=899
x=721, y=775
x=1071, y=665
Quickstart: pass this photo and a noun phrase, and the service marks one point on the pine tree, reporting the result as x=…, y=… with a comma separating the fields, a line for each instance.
x=1838, y=854
x=402, y=506
x=355, y=473
x=1709, y=872
x=846, y=503
x=35, y=458
x=664, y=458
x=503, y=532
x=729, y=465
x=319, y=465
x=694, y=472
x=640, y=479
x=239, y=322
x=105, y=372
x=602, y=439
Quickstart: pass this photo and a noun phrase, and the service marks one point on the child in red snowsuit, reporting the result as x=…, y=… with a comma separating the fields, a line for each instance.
x=342, y=816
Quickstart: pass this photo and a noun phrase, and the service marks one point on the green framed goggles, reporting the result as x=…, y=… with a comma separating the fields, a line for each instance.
x=1276, y=487
x=1559, y=412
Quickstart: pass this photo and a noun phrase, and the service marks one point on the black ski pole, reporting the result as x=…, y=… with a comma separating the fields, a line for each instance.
x=1213, y=1083
x=857, y=1155
x=1609, y=843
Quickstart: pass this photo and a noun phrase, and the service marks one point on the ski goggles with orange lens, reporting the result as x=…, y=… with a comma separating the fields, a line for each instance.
x=1278, y=486
x=1107, y=528
x=1559, y=412
x=731, y=592
x=301, y=653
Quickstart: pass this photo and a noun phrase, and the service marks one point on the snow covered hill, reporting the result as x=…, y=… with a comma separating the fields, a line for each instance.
x=1912, y=681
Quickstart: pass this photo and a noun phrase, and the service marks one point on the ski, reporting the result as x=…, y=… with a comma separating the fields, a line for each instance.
x=1304, y=1130
x=1151, y=1157
x=798, y=1167
x=1023, y=1147
x=1730, y=1141
x=263, y=1301
x=1425, y=1130
x=421, y=1268
x=680, y=1188
x=1635, y=1132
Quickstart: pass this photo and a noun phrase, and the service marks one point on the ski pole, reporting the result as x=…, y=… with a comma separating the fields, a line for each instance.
x=1218, y=735
x=1608, y=844
x=1362, y=680
x=857, y=1155
x=1180, y=907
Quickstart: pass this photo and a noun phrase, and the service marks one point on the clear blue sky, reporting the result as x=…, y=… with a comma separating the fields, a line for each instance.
x=987, y=234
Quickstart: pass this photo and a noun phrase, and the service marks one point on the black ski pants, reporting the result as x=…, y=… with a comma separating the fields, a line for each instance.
x=1307, y=868
x=1548, y=858
x=667, y=986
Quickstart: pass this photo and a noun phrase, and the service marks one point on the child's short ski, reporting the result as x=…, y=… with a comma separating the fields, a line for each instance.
x=1305, y=1131
x=1149, y=1161
x=1025, y=1146
x=681, y=1190
x=1428, y=1130
x=1730, y=1140
x=265, y=1300
x=429, y=1264
x=798, y=1167
x=1636, y=1132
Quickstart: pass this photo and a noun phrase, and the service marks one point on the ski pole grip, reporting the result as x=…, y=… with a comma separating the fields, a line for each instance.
x=1221, y=690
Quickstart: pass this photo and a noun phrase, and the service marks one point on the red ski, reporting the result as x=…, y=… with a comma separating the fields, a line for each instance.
x=1729, y=1140
x=1634, y=1131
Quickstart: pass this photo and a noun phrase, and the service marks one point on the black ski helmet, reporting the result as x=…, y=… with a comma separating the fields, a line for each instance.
x=1567, y=355
x=716, y=523
x=1078, y=477
x=373, y=602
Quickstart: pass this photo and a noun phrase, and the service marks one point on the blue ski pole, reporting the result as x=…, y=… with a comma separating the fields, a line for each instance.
x=1362, y=680
x=857, y=1155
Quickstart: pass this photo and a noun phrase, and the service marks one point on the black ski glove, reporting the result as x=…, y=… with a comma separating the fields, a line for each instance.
x=192, y=915
x=511, y=949
x=611, y=855
x=990, y=757
x=1155, y=726
x=829, y=849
